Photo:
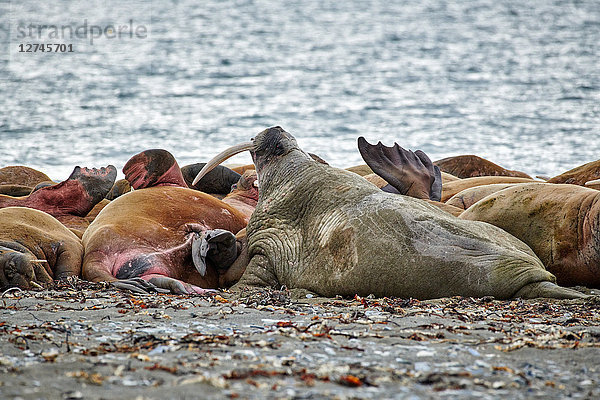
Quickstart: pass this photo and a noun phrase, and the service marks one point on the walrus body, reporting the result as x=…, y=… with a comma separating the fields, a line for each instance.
x=149, y=232
x=466, y=198
x=560, y=222
x=469, y=166
x=579, y=175
x=22, y=175
x=329, y=231
x=35, y=247
x=449, y=189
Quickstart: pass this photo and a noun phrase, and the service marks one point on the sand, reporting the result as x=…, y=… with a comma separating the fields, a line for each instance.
x=78, y=340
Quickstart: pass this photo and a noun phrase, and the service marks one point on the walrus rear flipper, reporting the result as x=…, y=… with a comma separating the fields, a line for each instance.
x=218, y=246
x=77, y=195
x=548, y=289
x=137, y=285
x=412, y=174
x=158, y=284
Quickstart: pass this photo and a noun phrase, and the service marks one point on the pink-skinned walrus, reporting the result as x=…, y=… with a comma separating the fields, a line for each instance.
x=163, y=235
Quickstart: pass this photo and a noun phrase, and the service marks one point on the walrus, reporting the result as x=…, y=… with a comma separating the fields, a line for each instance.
x=560, y=222
x=15, y=190
x=466, y=198
x=35, y=248
x=120, y=187
x=18, y=181
x=21, y=175
x=362, y=170
x=381, y=183
x=219, y=181
x=579, y=175
x=328, y=231
x=469, y=166
x=451, y=188
x=76, y=196
x=163, y=235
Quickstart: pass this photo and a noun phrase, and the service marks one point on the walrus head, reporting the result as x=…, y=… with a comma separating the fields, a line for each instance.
x=155, y=167
x=22, y=269
x=266, y=148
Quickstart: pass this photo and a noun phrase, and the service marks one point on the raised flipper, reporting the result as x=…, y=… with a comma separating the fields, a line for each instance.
x=21, y=269
x=77, y=195
x=217, y=246
x=155, y=167
x=411, y=174
x=548, y=289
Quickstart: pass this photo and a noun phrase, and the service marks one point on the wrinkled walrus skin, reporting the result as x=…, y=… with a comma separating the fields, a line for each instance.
x=331, y=232
x=560, y=222
x=29, y=236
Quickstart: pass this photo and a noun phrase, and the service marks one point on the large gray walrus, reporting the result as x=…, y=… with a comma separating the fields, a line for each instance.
x=331, y=232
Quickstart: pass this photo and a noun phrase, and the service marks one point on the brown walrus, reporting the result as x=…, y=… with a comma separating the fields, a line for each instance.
x=451, y=188
x=466, y=198
x=579, y=175
x=560, y=222
x=18, y=181
x=21, y=175
x=469, y=166
x=35, y=248
x=170, y=236
x=329, y=231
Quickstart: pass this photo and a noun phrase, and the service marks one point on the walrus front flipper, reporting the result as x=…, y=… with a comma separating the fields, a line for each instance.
x=412, y=174
x=548, y=289
x=218, y=246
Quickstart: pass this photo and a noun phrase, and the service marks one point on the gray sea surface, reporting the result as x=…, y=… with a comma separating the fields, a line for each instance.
x=512, y=81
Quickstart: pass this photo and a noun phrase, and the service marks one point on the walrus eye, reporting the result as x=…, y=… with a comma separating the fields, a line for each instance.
x=234, y=186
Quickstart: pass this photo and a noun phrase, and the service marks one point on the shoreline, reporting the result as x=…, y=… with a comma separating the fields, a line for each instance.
x=85, y=340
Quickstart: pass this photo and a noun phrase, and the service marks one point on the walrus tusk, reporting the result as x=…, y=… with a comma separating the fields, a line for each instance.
x=593, y=182
x=36, y=285
x=40, y=261
x=222, y=156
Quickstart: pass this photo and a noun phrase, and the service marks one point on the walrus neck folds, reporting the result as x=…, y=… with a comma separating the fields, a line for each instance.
x=289, y=167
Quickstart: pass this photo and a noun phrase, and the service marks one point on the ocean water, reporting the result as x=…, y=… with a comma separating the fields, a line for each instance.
x=515, y=82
